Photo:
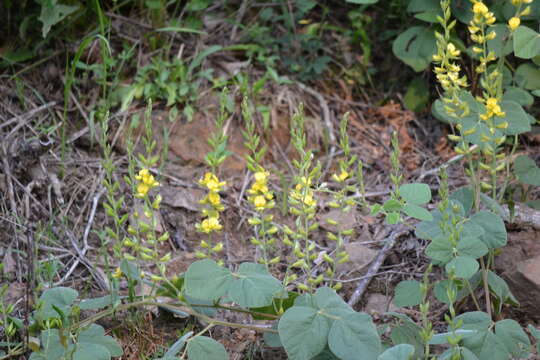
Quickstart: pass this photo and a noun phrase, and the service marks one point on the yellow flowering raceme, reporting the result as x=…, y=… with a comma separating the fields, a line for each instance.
x=146, y=182
x=493, y=109
x=261, y=197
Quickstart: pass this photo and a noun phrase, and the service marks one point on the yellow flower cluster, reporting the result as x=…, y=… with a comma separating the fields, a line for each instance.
x=492, y=109
x=213, y=199
x=303, y=192
x=260, y=196
x=448, y=71
x=146, y=182
x=482, y=18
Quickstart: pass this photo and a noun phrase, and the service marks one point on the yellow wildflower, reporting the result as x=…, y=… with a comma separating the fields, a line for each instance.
x=214, y=198
x=117, y=273
x=259, y=202
x=480, y=8
x=211, y=182
x=341, y=177
x=146, y=183
x=210, y=224
x=261, y=176
x=513, y=23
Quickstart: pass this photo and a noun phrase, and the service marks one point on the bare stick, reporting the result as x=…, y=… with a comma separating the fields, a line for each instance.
x=375, y=266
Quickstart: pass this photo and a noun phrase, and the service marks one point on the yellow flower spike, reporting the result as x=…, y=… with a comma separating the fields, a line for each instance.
x=513, y=23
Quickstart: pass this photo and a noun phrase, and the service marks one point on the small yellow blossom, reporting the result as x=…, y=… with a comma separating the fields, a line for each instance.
x=210, y=224
x=117, y=273
x=341, y=177
x=480, y=8
x=146, y=183
x=513, y=23
x=211, y=182
x=214, y=198
x=259, y=202
x=261, y=176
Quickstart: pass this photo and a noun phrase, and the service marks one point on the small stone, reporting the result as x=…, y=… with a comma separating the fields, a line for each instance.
x=360, y=256
x=345, y=220
x=378, y=304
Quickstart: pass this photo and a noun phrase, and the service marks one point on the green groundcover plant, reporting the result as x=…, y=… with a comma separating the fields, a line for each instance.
x=290, y=288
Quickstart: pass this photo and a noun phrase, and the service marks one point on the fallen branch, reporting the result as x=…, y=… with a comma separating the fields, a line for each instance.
x=375, y=265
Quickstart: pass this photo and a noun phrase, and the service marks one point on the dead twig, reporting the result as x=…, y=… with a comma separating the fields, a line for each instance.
x=400, y=230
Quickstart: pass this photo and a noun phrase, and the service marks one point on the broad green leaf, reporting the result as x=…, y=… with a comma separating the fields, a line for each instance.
x=206, y=280
x=205, y=348
x=407, y=293
x=177, y=347
x=494, y=229
x=472, y=247
x=415, y=47
x=89, y=351
x=463, y=267
x=441, y=290
x=474, y=320
x=254, y=286
x=417, y=95
x=61, y=297
x=417, y=212
x=526, y=43
x=465, y=196
x=392, y=205
x=513, y=337
x=392, y=218
x=500, y=44
x=408, y=333
x=440, y=249
x=398, y=352
x=272, y=339
x=416, y=193
x=52, y=13
x=303, y=332
x=327, y=299
x=526, y=170
x=352, y=335
x=500, y=288
x=96, y=303
x=130, y=269
x=486, y=346
x=527, y=76
x=94, y=336
x=51, y=346
x=518, y=95
x=517, y=118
